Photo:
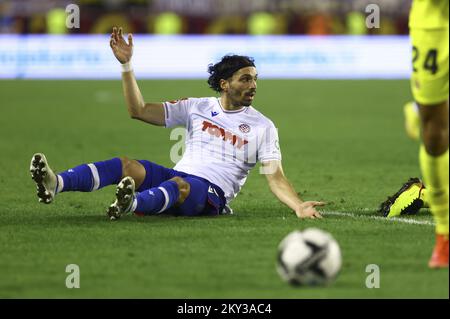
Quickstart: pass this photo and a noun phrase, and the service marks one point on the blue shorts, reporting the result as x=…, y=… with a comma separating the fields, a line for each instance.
x=205, y=198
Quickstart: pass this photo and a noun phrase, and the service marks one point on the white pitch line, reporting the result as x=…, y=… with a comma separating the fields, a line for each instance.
x=392, y=219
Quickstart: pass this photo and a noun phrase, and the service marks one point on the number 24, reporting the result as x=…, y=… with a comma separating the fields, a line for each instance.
x=430, y=63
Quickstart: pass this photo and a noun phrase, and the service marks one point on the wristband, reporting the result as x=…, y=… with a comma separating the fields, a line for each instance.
x=127, y=67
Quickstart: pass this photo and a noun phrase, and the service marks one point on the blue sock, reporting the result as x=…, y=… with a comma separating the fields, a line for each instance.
x=89, y=177
x=157, y=199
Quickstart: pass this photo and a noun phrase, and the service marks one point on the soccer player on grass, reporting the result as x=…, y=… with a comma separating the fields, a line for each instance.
x=226, y=137
x=429, y=31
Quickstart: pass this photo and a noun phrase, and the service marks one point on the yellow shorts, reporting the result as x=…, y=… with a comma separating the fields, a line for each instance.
x=429, y=79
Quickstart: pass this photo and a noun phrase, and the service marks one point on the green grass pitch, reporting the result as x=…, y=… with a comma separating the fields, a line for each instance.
x=342, y=141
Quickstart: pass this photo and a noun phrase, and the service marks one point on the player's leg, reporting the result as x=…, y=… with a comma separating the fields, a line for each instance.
x=203, y=199
x=196, y=197
x=429, y=84
x=434, y=157
x=152, y=201
x=84, y=178
x=186, y=196
x=158, y=191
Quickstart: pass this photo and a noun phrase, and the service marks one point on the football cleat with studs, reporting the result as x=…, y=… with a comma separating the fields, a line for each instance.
x=125, y=195
x=407, y=201
x=44, y=178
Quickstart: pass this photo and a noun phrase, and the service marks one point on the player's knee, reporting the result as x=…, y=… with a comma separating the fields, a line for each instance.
x=132, y=168
x=183, y=187
x=126, y=166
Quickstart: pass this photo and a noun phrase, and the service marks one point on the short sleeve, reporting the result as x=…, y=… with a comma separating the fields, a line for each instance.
x=269, y=148
x=177, y=112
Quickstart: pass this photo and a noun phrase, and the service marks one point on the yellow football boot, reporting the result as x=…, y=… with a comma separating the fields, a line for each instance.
x=407, y=201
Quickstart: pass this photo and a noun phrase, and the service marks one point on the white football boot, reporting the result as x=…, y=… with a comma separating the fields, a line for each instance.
x=44, y=177
x=125, y=195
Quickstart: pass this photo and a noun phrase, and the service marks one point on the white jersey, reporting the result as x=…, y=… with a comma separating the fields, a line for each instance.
x=222, y=146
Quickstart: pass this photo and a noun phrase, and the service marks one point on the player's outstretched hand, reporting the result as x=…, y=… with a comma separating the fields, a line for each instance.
x=122, y=50
x=308, y=210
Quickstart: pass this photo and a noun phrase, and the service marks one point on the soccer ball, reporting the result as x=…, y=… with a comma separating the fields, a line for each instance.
x=309, y=258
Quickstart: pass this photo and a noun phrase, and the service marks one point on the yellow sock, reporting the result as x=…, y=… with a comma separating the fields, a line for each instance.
x=435, y=176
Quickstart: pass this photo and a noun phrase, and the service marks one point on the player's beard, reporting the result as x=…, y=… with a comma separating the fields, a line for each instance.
x=248, y=97
x=242, y=98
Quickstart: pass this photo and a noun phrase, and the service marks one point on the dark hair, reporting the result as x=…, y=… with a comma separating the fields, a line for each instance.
x=226, y=68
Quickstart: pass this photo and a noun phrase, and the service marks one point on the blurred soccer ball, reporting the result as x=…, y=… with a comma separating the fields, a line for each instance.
x=309, y=258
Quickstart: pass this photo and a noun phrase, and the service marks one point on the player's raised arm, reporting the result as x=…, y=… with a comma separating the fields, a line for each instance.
x=283, y=190
x=152, y=113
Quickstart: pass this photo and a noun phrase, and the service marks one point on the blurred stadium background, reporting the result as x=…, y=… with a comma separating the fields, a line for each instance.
x=288, y=38
x=311, y=17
